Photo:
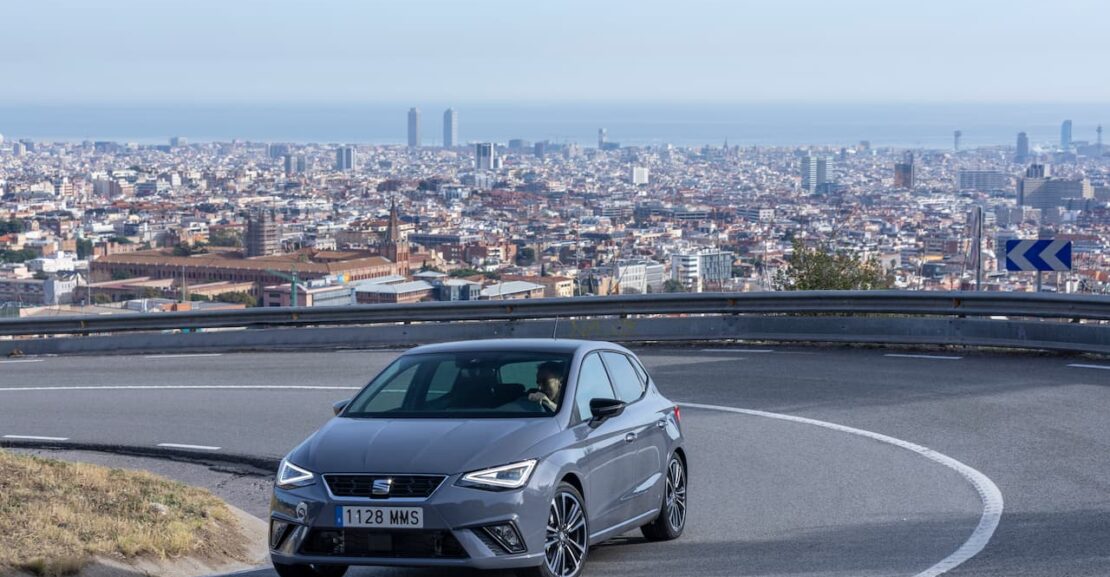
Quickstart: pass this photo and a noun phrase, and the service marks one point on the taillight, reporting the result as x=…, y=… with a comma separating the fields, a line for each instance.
x=677, y=414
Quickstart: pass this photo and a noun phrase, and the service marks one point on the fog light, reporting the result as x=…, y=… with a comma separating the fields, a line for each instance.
x=506, y=536
x=277, y=532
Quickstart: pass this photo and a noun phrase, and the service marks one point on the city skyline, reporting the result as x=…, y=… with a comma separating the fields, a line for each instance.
x=922, y=126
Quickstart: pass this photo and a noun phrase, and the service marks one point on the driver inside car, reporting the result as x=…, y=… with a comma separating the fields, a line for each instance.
x=549, y=383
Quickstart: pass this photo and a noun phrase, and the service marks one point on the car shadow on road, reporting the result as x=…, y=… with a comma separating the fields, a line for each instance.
x=861, y=550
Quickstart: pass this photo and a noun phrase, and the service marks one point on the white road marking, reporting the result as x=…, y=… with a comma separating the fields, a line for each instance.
x=35, y=438
x=937, y=357
x=21, y=361
x=192, y=447
x=989, y=493
x=181, y=387
x=1082, y=366
x=737, y=350
x=183, y=356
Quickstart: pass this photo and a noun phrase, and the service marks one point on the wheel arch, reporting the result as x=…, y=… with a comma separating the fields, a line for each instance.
x=572, y=478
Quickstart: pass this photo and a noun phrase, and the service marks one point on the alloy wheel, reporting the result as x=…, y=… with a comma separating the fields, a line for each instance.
x=676, y=495
x=566, y=540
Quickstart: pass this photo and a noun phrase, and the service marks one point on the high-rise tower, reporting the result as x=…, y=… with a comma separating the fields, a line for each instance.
x=815, y=172
x=485, y=156
x=903, y=172
x=1065, y=135
x=345, y=158
x=1022, y=154
x=450, y=128
x=956, y=139
x=414, y=127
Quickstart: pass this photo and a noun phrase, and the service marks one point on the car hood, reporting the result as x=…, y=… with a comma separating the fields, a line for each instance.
x=429, y=446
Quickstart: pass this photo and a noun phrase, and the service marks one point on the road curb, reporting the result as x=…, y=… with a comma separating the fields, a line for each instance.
x=250, y=465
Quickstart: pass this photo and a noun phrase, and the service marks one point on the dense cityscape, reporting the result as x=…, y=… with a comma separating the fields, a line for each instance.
x=101, y=227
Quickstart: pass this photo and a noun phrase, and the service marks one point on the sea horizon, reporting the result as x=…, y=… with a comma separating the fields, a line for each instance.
x=685, y=124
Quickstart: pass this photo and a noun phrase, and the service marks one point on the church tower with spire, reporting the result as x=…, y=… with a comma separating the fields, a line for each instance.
x=395, y=248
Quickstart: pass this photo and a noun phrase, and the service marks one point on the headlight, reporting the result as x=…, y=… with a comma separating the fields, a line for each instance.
x=511, y=476
x=290, y=476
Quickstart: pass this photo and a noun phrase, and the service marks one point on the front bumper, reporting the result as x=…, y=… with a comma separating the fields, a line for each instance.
x=453, y=517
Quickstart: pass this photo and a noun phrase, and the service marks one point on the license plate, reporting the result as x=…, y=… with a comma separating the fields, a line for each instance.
x=385, y=517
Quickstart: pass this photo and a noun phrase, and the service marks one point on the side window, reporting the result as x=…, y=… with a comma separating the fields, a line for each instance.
x=640, y=371
x=593, y=383
x=625, y=378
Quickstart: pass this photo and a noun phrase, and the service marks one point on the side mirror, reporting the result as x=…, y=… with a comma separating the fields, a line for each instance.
x=604, y=409
x=338, y=407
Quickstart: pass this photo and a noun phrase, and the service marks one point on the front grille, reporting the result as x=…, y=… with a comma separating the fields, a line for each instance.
x=403, y=486
x=378, y=543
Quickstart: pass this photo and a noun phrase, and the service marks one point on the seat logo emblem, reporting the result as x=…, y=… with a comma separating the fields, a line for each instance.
x=381, y=487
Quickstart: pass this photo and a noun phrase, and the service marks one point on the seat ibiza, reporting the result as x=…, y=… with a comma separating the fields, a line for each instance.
x=499, y=454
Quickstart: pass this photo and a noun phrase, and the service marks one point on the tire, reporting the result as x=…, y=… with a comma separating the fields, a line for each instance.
x=671, y=520
x=573, y=538
x=284, y=570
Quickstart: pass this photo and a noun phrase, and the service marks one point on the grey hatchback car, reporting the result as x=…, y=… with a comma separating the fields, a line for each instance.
x=450, y=457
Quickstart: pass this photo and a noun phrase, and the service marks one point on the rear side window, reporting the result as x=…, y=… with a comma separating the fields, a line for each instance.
x=625, y=378
x=593, y=383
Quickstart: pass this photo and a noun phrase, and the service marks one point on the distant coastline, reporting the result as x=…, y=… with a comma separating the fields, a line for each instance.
x=927, y=126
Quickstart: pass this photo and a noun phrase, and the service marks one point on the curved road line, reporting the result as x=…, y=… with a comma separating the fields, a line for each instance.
x=988, y=491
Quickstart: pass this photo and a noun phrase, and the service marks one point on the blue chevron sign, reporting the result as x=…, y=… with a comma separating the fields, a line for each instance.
x=1038, y=255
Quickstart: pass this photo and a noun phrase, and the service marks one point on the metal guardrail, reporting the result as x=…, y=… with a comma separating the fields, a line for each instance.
x=904, y=303
x=1028, y=321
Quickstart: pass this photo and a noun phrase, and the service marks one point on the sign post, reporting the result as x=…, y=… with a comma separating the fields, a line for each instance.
x=1038, y=256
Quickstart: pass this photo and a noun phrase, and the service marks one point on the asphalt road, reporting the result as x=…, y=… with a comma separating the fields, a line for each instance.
x=768, y=497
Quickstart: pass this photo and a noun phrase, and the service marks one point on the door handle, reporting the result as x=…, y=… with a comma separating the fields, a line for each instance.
x=661, y=423
x=630, y=437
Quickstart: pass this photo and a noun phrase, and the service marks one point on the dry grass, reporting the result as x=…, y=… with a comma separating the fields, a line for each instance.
x=55, y=516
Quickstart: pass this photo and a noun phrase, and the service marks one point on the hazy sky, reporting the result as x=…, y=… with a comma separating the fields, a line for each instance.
x=553, y=50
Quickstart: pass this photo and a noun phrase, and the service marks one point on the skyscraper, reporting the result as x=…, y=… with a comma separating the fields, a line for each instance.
x=602, y=136
x=1065, y=135
x=450, y=128
x=903, y=172
x=344, y=158
x=956, y=138
x=1022, y=154
x=414, y=127
x=815, y=172
x=485, y=156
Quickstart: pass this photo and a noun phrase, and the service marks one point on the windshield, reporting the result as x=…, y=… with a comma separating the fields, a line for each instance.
x=466, y=384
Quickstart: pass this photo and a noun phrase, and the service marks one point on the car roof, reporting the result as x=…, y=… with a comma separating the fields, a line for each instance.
x=568, y=346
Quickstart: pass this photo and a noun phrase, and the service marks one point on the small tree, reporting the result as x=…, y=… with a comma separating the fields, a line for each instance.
x=526, y=256
x=673, y=286
x=225, y=237
x=84, y=248
x=819, y=269
x=237, y=298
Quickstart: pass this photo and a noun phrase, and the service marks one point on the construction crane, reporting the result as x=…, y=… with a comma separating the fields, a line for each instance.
x=294, y=283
